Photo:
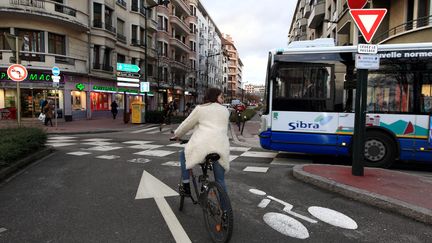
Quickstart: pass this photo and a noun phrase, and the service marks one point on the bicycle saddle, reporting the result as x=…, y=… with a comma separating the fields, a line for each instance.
x=212, y=157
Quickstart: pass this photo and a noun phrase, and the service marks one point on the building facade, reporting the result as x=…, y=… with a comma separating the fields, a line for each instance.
x=234, y=72
x=86, y=40
x=407, y=21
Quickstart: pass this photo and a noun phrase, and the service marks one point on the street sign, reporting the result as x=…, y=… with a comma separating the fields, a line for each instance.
x=367, y=49
x=356, y=4
x=125, y=67
x=145, y=87
x=368, y=20
x=17, y=72
x=55, y=71
x=55, y=79
x=364, y=61
x=128, y=75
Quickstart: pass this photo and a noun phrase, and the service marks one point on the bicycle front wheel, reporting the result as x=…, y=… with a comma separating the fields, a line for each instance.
x=218, y=213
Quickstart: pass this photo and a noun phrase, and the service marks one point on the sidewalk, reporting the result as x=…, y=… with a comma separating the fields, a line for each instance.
x=391, y=190
x=388, y=189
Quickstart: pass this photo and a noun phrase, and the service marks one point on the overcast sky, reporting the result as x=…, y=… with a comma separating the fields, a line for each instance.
x=256, y=27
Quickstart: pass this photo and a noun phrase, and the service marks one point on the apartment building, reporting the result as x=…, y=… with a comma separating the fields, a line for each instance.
x=235, y=66
x=86, y=39
x=406, y=21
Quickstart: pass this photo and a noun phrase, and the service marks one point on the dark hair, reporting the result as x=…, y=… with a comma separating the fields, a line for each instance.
x=212, y=95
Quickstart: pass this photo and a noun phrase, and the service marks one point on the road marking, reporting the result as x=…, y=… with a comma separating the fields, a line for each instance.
x=97, y=139
x=264, y=203
x=61, y=141
x=145, y=129
x=239, y=149
x=257, y=192
x=233, y=157
x=103, y=148
x=98, y=143
x=139, y=160
x=172, y=163
x=289, y=161
x=56, y=145
x=151, y=187
x=176, y=145
x=156, y=153
x=286, y=225
x=108, y=157
x=138, y=142
x=333, y=217
x=145, y=146
x=259, y=154
x=2, y=230
x=62, y=137
x=256, y=169
x=79, y=153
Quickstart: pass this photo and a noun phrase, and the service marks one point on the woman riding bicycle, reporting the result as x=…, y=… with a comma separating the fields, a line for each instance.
x=210, y=121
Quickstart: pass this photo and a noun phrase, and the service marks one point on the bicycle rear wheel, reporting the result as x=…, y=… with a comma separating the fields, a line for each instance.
x=218, y=213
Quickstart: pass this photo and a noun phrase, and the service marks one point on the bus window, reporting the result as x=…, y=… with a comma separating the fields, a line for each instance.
x=426, y=94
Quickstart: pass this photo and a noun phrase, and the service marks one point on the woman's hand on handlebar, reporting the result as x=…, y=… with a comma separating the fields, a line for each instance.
x=175, y=138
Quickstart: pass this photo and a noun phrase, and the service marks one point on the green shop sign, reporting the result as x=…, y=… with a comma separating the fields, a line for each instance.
x=121, y=90
x=80, y=86
x=30, y=77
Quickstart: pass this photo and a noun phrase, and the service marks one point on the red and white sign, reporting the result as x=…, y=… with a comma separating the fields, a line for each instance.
x=368, y=20
x=356, y=4
x=17, y=72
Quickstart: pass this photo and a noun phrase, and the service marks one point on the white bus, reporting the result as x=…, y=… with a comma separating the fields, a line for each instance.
x=310, y=94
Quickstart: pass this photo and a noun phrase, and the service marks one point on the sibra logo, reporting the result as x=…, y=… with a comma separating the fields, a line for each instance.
x=321, y=120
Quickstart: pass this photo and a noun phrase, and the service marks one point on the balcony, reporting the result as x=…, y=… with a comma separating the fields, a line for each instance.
x=303, y=21
x=177, y=22
x=121, y=38
x=135, y=42
x=307, y=11
x=182, y=5
x=103, y=67
x=179, y=44
x=121, y=3
x=34, y=9
x=316, y=17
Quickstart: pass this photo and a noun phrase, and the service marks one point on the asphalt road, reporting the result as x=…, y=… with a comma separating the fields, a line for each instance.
x=87, y=198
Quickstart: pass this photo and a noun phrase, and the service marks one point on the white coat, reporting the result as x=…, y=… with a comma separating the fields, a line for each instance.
x=210, y=136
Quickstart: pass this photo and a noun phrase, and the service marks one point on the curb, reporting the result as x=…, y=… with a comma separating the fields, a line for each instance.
x=418, y=213
x=236, y=140
x=6, y=172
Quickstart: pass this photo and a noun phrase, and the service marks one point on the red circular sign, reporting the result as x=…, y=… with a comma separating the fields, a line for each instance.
x=17, y=72
x=356, y=4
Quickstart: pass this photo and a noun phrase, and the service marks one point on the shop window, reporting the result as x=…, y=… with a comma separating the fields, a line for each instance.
x=119, y=98
x=78, y=100
x=99, y=101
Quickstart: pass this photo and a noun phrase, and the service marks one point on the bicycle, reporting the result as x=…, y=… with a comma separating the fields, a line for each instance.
x=213, y=200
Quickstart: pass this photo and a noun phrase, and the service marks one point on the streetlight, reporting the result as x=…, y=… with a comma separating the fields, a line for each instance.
x=160, y=2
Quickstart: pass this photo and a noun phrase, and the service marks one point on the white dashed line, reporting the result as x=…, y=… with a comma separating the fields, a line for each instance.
x=79, y=153
x=156, y=153
x=256, y=169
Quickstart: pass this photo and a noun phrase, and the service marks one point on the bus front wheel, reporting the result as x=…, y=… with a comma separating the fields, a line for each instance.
x=379, y=150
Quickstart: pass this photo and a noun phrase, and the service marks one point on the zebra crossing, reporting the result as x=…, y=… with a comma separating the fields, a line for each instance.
x=148, y=150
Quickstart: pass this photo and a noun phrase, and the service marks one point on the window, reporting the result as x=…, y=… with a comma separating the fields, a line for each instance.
x=33, y=42
x=56, y=44
x=97, y=15
x=120, y=26
x=162, y=23
x=162, y=48
x=134, y=37
x=150, y=70
x=109, y=20
x=121, y=58
x=3, y=44
x=96, y=57
x=134, y=6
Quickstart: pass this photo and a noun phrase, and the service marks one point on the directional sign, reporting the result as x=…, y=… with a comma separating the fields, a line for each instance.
x=367, y=49
x=17, y=72
x=364, y=61
x=125, y=67
x=368, y=20
x=151, y=187
x=144, y=87
x=55, y=71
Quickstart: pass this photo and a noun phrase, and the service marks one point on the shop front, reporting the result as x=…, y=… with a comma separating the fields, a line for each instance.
x=37, y=88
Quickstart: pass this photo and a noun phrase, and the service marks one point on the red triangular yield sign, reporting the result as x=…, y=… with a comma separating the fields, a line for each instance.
x=368, y=20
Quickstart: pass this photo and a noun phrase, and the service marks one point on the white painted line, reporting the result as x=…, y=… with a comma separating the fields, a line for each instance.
x=264, y=203
x=145, y=146
x=176, y=145
x=257, y=192
x=156, y=153
x=286, y=205
x=139, y=161
x=61, y=141
x=108, y=157
x=233, y=157
x=61, y=137
x=256, y=169
x=153, y=132
x=172, y=163
x=333, y=217
x=98, y=143
x=174, y=225
x=103, y=148
x=79, y=153
x=145, y=129
x=286, y=225
x=259, y=154
x=138, y=142
x=289, y=161
x=2, y=230
x=97, y=139
x=56, y=145
x=239, y=149
x=313, y=221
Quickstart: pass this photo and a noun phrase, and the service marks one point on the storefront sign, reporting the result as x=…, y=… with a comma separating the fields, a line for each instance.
x=30, y=77
x=80, y=86
x=114, y=89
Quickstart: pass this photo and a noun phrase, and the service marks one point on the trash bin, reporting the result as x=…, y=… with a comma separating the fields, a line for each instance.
x=138, y=113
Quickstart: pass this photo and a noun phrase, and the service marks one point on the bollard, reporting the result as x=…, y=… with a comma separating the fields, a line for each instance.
x=244, y=122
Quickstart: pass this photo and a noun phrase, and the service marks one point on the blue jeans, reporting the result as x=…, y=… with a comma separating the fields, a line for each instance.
x=218, y=170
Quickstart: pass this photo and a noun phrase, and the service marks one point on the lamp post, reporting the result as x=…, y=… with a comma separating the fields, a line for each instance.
x=161, y=2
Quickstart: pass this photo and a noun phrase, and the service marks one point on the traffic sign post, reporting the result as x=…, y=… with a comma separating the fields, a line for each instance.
x=368, y=20
x=17, y=73
x=56, y=83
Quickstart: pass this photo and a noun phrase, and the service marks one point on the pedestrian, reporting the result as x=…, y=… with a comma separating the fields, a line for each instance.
x=43, y=103
x=210, y=122
x=49, y=113
x=114, y=110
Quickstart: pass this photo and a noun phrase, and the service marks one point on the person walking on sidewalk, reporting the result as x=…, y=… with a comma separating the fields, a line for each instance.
x=114, y=110
x=49, y=113
x=211, y=136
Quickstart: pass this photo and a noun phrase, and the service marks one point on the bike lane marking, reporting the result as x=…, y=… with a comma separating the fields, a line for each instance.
x=151, y=187
x=2, y=230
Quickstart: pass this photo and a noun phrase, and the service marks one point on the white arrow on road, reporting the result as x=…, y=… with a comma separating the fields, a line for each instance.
x=151, y=187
